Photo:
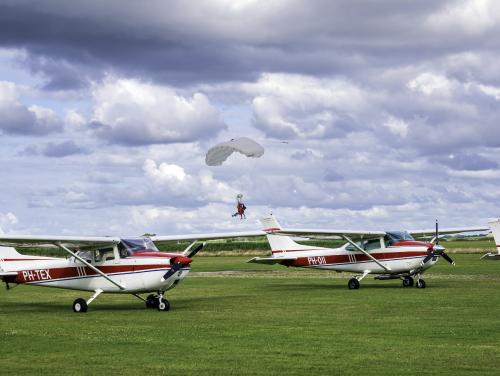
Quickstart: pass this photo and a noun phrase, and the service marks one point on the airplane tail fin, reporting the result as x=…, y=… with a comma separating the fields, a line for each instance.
x=495, y=229
x=280, y=243
x=7, y=253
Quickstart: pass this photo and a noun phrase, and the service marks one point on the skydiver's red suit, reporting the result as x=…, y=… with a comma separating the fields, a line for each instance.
x=241, y=210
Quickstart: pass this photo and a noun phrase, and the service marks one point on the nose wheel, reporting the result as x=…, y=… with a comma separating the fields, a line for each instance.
x=158, y=302
x=420, y=284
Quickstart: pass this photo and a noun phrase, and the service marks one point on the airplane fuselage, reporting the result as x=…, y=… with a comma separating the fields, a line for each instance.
x=403, y=258
x=137, y=274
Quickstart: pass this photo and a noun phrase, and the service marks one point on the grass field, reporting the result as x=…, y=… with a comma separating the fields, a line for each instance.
x=263, y=321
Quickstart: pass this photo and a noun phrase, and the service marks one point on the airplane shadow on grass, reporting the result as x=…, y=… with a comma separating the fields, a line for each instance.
x=177, y=304
x=337, y=287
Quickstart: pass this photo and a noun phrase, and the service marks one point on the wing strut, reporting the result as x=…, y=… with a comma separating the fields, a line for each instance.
x=366, y=253
x=104, y=275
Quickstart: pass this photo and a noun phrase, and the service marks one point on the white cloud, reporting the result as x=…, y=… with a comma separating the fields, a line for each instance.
x=397, y=126
x=132, y=112
x=7, y=221
x=492, y=91
x=74, y=119
x=164, y=173
x=431, y=84
x=291, y=105
x=470, y=16
x=172, y=181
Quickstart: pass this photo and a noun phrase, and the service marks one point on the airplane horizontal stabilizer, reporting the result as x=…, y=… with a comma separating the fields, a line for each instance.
x=7, y=274
x=271, y=260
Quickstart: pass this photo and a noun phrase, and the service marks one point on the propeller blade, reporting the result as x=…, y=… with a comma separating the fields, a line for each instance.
x=177, y=263
x=427, y=258
x=437, y=232
x=196, y=250
x=447, y=258
x=171, y=271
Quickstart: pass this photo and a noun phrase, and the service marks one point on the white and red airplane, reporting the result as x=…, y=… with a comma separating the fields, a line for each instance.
x=388, y=254
x=103, y=264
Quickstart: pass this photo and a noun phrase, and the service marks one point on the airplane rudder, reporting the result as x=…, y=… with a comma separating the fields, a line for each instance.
x=495, y=229
x=270, y=224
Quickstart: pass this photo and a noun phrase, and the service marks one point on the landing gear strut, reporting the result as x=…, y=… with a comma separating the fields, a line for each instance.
x=353, y=283
x=81, y=306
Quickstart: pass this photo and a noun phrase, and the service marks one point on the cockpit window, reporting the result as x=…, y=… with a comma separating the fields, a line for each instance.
x=128, y=247
x=396, y=236
x=367, y=245
x=105, y=254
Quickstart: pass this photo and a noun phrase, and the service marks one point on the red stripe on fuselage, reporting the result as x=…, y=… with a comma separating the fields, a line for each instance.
x=412, y=243
x=351, y=258
x=35, y=275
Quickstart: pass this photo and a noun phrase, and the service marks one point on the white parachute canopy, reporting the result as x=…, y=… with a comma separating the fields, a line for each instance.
x=244, y=145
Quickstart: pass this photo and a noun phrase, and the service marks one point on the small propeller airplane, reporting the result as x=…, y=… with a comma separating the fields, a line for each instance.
x=103, y=264
x=388, y=254
x=495, y=229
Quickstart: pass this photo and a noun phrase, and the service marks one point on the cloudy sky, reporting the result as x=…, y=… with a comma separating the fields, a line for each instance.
x=374, y=114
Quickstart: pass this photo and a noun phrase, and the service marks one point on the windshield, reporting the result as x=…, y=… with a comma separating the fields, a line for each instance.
x=128, y=247
x=397, y=236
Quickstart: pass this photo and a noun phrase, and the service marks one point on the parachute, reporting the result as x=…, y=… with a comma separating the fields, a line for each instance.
x=244, y=145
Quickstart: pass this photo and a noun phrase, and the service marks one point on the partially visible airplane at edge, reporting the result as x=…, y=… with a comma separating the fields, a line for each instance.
x=387, y=254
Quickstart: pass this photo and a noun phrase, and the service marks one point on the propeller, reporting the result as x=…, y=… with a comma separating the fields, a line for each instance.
x=436, y=249
x=179, y=262
x=176, y=263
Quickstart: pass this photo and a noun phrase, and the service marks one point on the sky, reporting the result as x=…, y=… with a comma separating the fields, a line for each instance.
x=373, y=114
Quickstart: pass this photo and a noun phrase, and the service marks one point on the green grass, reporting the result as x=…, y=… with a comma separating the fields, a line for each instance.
x=265, y=321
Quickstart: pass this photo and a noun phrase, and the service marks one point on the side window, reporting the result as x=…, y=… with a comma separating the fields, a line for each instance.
x=106, y=254
x=388, y=241
x=367, y=245
x=351, y=248
x=372, y=244
x=86, y=255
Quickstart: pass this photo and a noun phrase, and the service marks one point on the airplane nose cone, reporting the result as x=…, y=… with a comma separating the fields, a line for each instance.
x=182, y=260
x=438, y=248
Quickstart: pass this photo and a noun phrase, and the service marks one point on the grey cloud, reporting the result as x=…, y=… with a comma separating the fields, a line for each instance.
x=55, y=150
x=18, y=119
x=468, y=162
x=226, y=43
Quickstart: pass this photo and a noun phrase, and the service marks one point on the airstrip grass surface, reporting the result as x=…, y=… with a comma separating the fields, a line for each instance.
x=233, y=318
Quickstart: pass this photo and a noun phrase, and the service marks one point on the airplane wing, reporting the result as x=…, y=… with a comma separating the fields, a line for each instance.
x=70, y=242
x=423, y=233
x=200, y=237
x=271, y=226
x=326, y=234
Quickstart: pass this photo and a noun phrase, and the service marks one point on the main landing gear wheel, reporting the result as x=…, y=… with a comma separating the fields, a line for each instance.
x=152, y=301
x=163, y=305
x=80, y=305
x=353, y=284
x=421, y=284
x=407, y=281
